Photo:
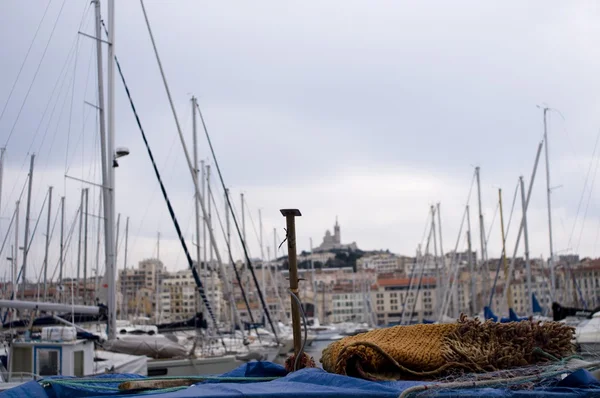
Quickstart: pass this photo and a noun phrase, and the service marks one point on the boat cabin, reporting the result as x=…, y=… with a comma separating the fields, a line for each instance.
x=57, y=353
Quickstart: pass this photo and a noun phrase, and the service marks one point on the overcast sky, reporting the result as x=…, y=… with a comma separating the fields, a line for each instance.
x=368, y=111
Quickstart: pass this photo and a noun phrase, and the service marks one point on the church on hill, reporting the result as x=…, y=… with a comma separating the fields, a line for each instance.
x=334, y=241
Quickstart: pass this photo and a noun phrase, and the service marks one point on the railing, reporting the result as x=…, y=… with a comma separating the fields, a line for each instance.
x=15, y=377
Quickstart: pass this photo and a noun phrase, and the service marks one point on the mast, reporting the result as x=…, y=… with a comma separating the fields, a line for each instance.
x=243, y=218
x=196, y=204
x=62, y=244
x=528, y=301
x=125, y=310
x=26, y=239
x=157, y=287
x=107, y=138
x=111, y=264
x=203, y=262
x=16, y=252
x=443, y=258
x=209, y=263
x=233, y=304
x=471, y=264
x=2, y=150
x=548, y=194
x=435, y=255
x=484, y=268
x=77, y=291
x=262, y=252
x=85, y=247
x=506, y=273
x=117, y=239
x=314, y=281
x=530, y=189
x=96, y=284
x=47, y=244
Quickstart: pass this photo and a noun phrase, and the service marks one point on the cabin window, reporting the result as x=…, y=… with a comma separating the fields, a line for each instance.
x=78, y=363
x=21, y=360
x=48, y=362
x=157, y=372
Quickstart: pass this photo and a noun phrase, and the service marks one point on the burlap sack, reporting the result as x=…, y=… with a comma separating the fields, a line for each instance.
x=428, y=351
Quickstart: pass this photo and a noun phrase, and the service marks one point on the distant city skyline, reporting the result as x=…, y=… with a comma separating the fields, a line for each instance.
x=369, y=113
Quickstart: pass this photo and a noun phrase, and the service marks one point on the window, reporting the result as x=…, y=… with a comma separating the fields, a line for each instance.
x=78, y=363
x=48, y=361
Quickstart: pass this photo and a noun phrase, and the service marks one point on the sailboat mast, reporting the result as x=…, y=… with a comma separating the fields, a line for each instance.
x=96, y=286
x=125, y=310
x=548, y=194
x=203, y=167
x=77, y=292
x=529, y=299
x=314, y=280
x=2, y=150
x=243, y=218
x=26, y=239
x=47, y=243
x=435, y=254
x=117, y=239
x=85, y=247
x=62, y=245
x=16, y=252
x=504, y=260
x=196, y=204
x=473, y=300
x=483, y=255
x=107, y=138
x=210, y=258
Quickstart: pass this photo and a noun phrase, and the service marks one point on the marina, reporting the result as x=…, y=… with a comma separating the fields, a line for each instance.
x=139, y=183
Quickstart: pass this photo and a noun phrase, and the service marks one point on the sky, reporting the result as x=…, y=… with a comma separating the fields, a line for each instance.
x=370, y=112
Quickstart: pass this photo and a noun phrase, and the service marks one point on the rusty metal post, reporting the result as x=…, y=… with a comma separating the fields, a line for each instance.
x=290, y=215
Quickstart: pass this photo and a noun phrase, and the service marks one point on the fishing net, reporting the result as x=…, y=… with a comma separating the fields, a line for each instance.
x=428, y=351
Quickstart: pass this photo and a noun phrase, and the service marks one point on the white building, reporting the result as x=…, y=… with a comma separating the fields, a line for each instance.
x=381, y=263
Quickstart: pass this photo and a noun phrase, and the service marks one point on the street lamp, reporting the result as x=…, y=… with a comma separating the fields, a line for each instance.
x=119, y=153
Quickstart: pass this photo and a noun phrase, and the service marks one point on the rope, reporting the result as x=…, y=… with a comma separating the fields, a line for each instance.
x=493, y=382
x=170, y=208
x=300, y=353
x=93, y=383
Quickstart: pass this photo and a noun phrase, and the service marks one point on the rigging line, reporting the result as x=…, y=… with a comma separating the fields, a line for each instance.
x=58, y=79
x=22, y=190
x=7, y=233
x=237, y=227
x=170, y=171
x=427, y=226
x=584, y=188
x=487, y=238
x=446, y=295
x=64, y=69
x=12, y=130
x=25, y=60
x=256, y=235
x=588, y=202
x=71, y=106
x=235, y=269
x=512, y=209
x=503, y=252
x=596, y=240
x=170, y=208
x=67, y=242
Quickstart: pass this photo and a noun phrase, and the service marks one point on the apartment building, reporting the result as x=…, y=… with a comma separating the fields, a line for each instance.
x=391, y=297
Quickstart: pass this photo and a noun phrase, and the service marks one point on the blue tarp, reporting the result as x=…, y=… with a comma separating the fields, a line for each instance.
x=305, y=383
